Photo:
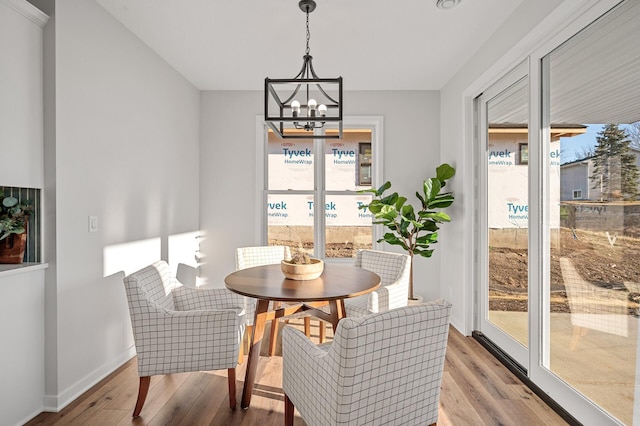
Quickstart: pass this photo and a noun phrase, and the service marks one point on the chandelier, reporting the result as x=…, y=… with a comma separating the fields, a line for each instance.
x=295, y=107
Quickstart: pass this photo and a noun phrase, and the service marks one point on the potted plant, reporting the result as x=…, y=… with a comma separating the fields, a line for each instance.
x=413, y=228
x=13, y=228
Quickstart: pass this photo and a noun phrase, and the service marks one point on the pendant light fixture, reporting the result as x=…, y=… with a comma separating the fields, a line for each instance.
x=295, y=107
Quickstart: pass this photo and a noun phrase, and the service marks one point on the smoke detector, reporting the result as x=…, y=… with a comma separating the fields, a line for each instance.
x=447, y=4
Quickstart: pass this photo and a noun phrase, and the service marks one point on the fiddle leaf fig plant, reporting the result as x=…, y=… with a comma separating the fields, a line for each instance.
x=13, y=215
x=413, y=228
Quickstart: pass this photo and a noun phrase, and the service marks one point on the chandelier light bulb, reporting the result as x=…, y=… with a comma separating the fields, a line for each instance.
x=312, y=104
x=322, y=110
x=295, y=107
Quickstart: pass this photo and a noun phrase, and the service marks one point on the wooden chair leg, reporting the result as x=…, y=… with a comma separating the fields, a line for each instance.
x=142, y=395
x=246, y=341
x=273, y=339
x=307, y=326
x=241, y=353
x=231, y=376
x=274, y=330
x=288, y=411
x=323, y=331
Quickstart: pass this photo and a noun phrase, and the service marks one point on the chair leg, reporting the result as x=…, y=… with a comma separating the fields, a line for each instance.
x=241, y=353
x=246, y=341
x=323, y=331
x=307, y=326
x=142, y=395
x=231, y=376
x=273, y=339
x=288, y=411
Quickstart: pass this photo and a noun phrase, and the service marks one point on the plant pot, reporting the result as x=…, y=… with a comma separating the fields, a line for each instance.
x=12, y=248
x=302, y=272
x=417, y=300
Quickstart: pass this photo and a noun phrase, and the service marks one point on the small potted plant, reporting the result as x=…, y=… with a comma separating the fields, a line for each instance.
x=13, y=228
x=302, y=267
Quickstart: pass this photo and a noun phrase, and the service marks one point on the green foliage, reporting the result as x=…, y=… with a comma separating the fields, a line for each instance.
x=13, y=215
x=615, y=170
x=413, y=228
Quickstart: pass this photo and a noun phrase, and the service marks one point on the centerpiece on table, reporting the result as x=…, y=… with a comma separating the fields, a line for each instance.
x=13, y=228
x=302, y=267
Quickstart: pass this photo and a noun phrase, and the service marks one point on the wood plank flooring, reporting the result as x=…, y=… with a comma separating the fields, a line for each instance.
x=476, y=390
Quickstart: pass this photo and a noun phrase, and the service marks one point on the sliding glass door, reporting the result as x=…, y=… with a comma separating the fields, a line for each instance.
x=592, y=105
x=558, y=156
x=504, y=169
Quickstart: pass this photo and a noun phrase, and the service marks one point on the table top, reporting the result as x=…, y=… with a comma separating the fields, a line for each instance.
x=336, y=282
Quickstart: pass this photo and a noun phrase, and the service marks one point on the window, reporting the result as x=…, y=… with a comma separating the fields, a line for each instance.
x=310, y=193
x=523, y=153
x=364, y=164
x=577, y=194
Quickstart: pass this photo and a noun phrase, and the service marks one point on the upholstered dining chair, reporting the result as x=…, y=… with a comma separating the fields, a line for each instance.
x=381, y=369
x=249, y=257
x=394, y=270
x=178, y=329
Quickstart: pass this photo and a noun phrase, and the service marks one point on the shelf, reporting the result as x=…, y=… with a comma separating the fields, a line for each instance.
x=11, y=269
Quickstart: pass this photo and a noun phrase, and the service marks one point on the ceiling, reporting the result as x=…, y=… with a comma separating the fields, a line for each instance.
x=372, y=44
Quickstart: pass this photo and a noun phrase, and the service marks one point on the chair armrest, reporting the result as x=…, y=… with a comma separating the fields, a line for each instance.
x=389, y=297
x=307, y=376
x=188, y=299
x=178, y=341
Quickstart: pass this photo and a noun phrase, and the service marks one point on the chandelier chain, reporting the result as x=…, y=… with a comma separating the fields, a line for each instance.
x=308, y=33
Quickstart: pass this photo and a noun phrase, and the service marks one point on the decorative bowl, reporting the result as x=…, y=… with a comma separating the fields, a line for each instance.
x=309, y=271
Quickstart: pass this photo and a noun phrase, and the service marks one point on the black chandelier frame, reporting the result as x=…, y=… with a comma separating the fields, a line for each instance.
x=285, y=119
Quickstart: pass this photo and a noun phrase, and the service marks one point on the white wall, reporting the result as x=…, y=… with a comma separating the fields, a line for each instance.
x=506, y=48
x=125, y=149
x=227, y=164
x=21, y=94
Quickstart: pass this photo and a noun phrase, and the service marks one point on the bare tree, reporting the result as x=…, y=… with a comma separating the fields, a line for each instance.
x=584, y=152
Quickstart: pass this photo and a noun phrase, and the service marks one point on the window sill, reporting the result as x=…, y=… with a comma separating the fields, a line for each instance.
x=11, y=269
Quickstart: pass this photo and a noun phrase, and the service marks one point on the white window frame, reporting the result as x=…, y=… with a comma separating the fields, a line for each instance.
x=375, y=123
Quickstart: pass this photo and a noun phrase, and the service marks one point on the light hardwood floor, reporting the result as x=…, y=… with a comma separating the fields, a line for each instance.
x=476, y=390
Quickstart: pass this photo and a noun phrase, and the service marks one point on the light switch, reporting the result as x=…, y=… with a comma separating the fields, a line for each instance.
x=93, y=223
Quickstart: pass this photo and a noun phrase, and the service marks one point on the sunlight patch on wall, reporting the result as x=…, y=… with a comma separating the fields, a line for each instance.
x=130, y=257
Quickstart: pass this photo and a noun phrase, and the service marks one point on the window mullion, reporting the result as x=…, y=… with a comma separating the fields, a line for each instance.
x=319, y=197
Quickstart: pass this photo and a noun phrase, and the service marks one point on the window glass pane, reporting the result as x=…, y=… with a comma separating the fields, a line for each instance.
x=348, y=228
x=348, y=161
x=290, y=163
x=594, y=230
x=290, y=221
x=508, y=211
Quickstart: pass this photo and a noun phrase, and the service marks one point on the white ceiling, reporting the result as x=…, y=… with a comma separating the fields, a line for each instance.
x=372, y=44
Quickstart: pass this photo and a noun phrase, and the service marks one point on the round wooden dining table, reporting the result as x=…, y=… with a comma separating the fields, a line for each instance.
x=267, y=283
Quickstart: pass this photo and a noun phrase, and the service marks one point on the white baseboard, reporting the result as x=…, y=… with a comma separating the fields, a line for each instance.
x=55, y=403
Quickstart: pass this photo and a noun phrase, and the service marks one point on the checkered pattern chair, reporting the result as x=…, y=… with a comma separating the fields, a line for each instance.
x=249, y=257
x=381, y=369
x=178, y=329
x=394, y=270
